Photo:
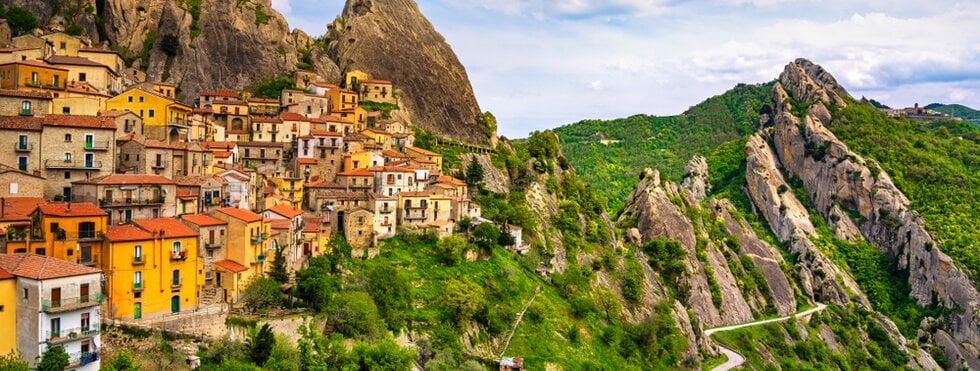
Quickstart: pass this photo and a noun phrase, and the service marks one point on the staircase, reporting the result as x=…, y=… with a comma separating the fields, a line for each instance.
x=210, y=295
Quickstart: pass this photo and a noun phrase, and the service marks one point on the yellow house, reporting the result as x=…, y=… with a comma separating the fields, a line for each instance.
x=379, y=136
x=341, y=99
x=353, y=78
x=80, y=99
x=67, y=231
x=362, y=160
x=151, y=268
x=32, y=75
x=104, y=56
x=247, y=247
x=291, y=189
x=426, y=154
x=159, y=112
x=8, y=316
x=102, y=77
x=64, y=44
x=414, y=208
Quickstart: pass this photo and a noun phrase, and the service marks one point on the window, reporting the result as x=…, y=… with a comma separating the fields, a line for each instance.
x=67, y=175
x=85, y=322
x=22, y=163
x=81, y=77
x=141, y=99
x=138, y=253
x=141, y=113
x=68, y=137
x=25, y=107
x=55, y=328
x=175, y=279
x=176, y=247
x=25, y=293
x=63, y=45
x=65, y=110
x=129, y=99
x=67, y=156
x=54, y=80
x=137, y=280
x=152, y=113
x=34, y=78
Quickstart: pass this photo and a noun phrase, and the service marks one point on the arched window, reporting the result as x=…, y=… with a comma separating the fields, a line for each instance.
x=68, y=137
x=25, y=107
x=176, y=248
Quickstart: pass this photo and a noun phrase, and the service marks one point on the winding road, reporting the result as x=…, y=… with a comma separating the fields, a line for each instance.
x=735, y=359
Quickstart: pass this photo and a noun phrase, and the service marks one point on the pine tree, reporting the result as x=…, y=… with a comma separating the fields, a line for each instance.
x=474, y=172
x=260, y=344
x=278, y=271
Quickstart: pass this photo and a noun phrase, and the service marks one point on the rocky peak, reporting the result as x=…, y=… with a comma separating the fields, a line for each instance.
x=696, y=178
x=808, y=82
x=391, y=39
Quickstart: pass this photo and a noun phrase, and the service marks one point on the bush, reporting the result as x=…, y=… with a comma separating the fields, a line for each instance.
x=13, y=362
x=450, y=249
x=485, y=236
x=353, y=313
x=121, y=360
x=170, y=45
x=53, y=359
x=392, y=292
x=21, y=20
x=260, y=344
x=463, y=297
x=263, y=293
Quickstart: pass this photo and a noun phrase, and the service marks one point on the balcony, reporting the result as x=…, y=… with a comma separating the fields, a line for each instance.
x=76, y=333
x=138, y=260
x=178, y=255
x=38, y=84
x=26, y=112
x=73, y=165
x=159, y=165
x=97, y=146
x=133, y=201
x=258, y=239
x=23, y=147
x=176, y=284
x=137, y=286
x=78, y=359
x=259, y=259
x=83, y=235
x=216, y=244
x=67, y=304
x=421, y=216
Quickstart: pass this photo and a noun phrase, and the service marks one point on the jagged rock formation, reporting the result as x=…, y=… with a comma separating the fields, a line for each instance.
x=696, y=178
x=391, y=39
x=838, y=179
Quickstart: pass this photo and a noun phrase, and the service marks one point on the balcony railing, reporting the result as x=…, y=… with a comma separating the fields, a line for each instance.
x=259, y=259
x=416, y=216
x=72, y=333
x=23, y=147
x=97, y=146
x=134, y=201
x=138, y=260
x=178, y=255
x=258, y=239
x=66, y=304
x=83, y=235
x=70, y=164
x=215, y=244
x=38, y=84
x=175, y=284
x=82, y=358
x=26, y=112
x=158, y=164
x=137, y=286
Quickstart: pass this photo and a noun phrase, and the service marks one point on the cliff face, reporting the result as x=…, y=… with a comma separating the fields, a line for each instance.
x=392, y=40
x=838, y=180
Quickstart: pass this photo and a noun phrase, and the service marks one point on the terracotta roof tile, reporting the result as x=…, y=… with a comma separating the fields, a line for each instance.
x=280, y=224
x=75, y=61
x=220, y=93
x=286, y=211
x=230, y=265
x=186, y=194
x=306, y=161
x=414, y=194
x=91, y=122
x=449, y=179
x=39, y=267
x=19, y=208
x=380, y=82
x=35, y=63
x=203, y=220
x=422, y=151
x=76, y=209
x=29, y=123
x=124, y=233
x=389, y=169
x=322, y=133
x=222, y=154
x=356, y=172
x=167, y=227
x=241, y=214
x=4, y=275
x=293, y=116
x=125, y=179
x=25, y=94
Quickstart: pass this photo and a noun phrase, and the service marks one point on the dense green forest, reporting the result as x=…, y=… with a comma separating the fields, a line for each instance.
x=957, y=110
x=936, y=163
x=662, y=143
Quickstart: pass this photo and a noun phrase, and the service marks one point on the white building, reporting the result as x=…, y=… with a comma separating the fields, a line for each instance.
x=58, y=304
x=392, y=180
x=239, y=188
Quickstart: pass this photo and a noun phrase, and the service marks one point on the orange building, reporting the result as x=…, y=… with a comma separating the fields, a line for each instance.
x=32, y=75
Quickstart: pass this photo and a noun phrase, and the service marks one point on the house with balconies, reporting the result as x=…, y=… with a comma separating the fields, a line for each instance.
x=385, y=209
x=284, y=215
x=75, y=148
x=128, y=197
x=58, y=303
x=68, y=231
x=414, y=209
x=20, y=142
x=211, y=191
x=212, y=234
x=247, y=250
x=392, y=180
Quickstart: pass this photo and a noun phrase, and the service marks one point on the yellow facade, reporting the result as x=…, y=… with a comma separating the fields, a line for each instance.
x=101, y=77
x=155, y=109
x=291, y=189
x=32, y=76
x=64, y=44
x=149, y=273
x=8, y=315
x=74, y=236
x=247, y=244
x=341, y=99
x=78, y=103
x=379, y=137
x=106, y=57
x=359, y=160
x=353, y=77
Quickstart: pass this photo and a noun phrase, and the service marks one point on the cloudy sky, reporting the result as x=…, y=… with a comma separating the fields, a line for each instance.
x=539, y=64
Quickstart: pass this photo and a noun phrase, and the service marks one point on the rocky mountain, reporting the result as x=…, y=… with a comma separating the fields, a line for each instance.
x=236, y=44
x=393, y=40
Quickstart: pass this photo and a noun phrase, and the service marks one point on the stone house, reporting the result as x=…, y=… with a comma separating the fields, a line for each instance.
x=20, y=142
x=75, y=148
x=211, y=191
x=211, y=244
x=129, y=197
x=240, y=188
x=359, y=228
x=16, y=183
x=392, y=180
x=24, y=103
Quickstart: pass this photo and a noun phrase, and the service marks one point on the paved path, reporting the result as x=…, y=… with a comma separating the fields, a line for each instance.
x=735, y=359
x=517, y=321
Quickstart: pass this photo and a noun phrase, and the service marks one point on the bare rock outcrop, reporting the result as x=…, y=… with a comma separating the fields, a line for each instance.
x=393, y=40
x=836, y=177
x=696, y=178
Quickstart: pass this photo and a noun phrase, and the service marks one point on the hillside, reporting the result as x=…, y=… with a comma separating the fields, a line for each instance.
x=957, y=110
x=611, y=154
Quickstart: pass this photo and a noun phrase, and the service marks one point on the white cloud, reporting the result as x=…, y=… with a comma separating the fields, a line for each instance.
x=283, y=6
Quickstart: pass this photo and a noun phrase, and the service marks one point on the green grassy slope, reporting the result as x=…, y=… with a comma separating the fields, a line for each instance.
x=957, y=110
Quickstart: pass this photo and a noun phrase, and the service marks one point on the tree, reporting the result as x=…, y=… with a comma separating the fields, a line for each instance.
x=465, y=298
x=485, y=236
x=450, y=249
x=53, y=359
x=21, y=20
x=474, y=172
x=278, y=271
x=353, y=313
x=13, y=362
x=315, y=284
x=263, y=293
x=260, y=344
x=170, y=44
x=121, y=360
x=392, y=293
x=506, y=239
x=383, y=356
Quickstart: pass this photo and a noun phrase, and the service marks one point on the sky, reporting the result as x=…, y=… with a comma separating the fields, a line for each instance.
x=539, y=64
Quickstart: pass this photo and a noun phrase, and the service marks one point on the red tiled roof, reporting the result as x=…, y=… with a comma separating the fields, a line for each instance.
x=332, y=118
x=25, y=94
x=241, y=214
x=222, y=154
x=230, y=265
x=422, y=151
x=4, y=275
x=280, y=224
x=414, y=194
x=119, y=179
x=75, y=209
x=265, y=120
x=321, y=133
x=389, y=169
x=286, y=210
x=186, y=193
x=203, y=110
x=356, y=172
x=306, y=161
x=383, y=82
x=203, y=220
x=92, y=122
x=75, y=61
x=124, y=233
x=218, y=145
x=394, y=153
x=293, y=116
x=220, y=93
x=35, y=63
x=19, y=208
x=167, y=227
x=39, y=267
x=30, y=123
x=449, y=179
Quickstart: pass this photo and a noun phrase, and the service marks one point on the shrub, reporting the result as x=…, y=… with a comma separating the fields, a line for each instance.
x=260, y=344
x=262, y=293
x=450, y=249
x=353, y=313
